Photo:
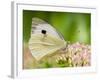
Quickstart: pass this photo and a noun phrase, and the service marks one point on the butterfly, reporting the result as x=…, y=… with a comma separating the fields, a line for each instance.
x=44, y=39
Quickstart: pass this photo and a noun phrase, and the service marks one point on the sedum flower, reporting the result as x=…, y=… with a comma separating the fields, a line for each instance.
x=77, y=54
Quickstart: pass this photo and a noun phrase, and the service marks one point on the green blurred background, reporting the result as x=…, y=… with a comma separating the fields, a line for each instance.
x=75, y=27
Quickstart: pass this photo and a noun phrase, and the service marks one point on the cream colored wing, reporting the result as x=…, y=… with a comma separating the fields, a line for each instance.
x=41, y=47
x=39, y=24
x=42, y=44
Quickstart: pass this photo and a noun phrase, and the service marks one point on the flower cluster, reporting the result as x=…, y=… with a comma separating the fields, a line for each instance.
x=77, y=54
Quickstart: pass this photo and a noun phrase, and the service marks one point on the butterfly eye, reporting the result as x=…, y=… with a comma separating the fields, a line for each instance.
x=43, y=31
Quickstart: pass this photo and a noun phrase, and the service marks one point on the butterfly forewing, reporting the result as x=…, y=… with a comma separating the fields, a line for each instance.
x=38, y=25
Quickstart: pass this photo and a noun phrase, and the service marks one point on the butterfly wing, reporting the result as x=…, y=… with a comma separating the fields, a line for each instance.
x=39, y=24
x=41, y=46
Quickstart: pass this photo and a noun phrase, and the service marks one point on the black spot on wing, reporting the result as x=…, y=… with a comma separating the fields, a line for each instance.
x=43, y=31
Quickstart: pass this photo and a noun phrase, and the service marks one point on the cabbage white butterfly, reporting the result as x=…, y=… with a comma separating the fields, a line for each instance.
x=45, y=39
